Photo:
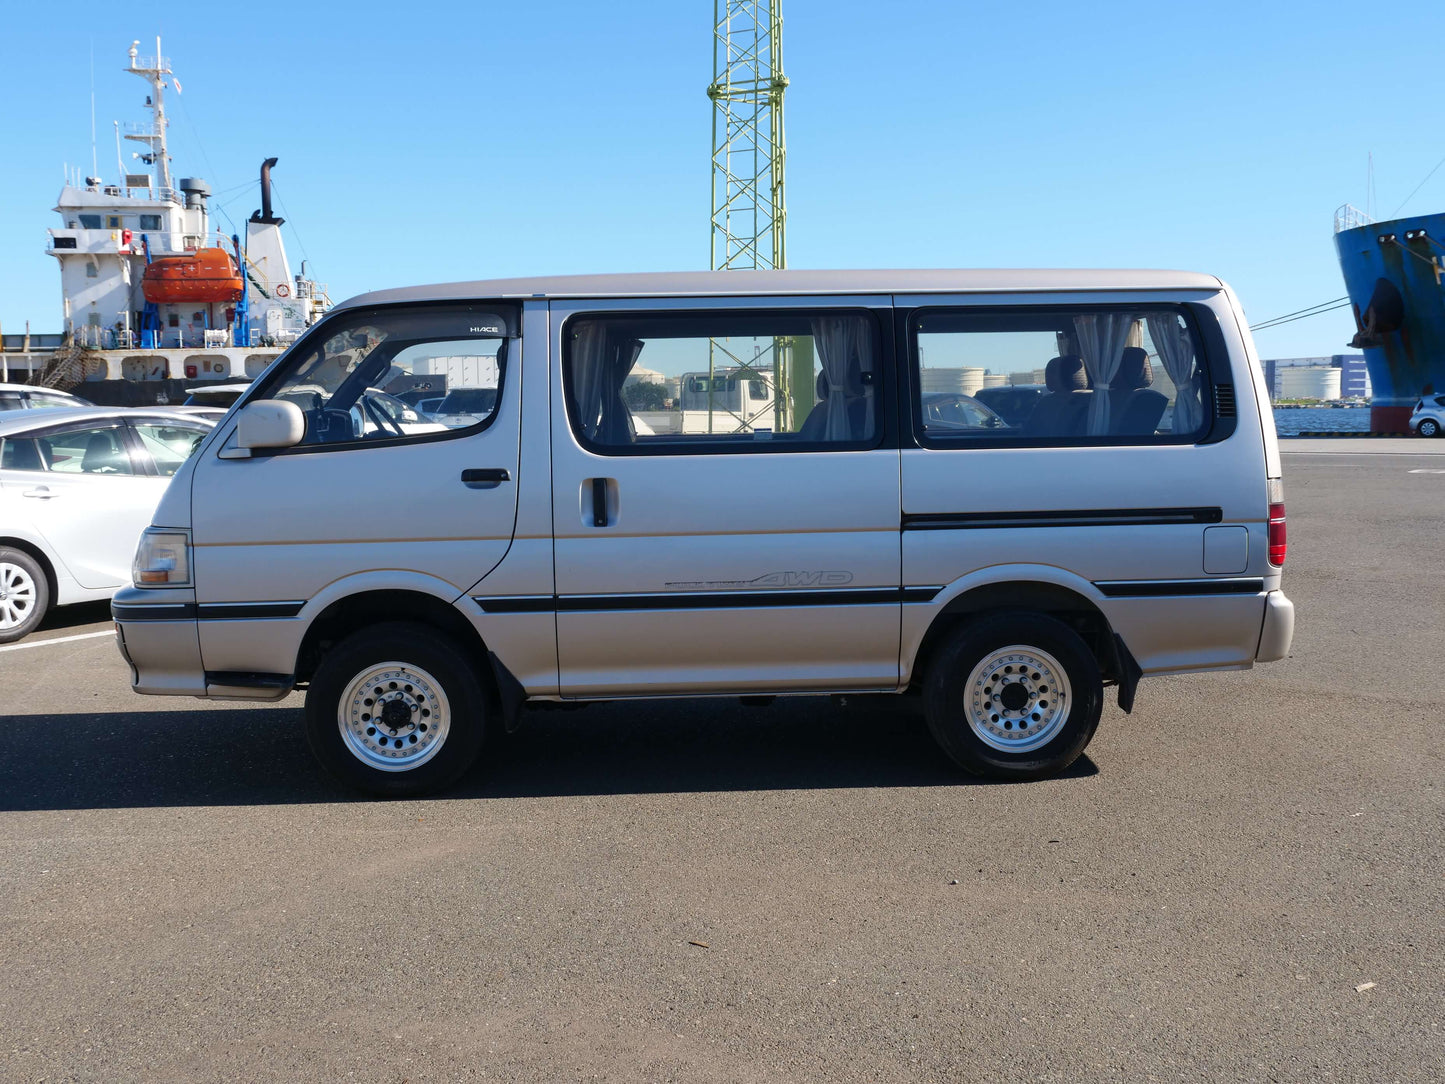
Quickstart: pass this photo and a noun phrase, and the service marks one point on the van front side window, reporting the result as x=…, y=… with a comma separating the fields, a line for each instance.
x=358, y=378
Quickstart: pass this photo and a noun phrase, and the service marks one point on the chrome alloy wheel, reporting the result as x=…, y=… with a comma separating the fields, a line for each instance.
x=1017, y=699
x=393, y=717
x=17, y=596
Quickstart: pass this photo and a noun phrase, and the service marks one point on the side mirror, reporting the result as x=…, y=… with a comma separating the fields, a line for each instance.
x=270, y=423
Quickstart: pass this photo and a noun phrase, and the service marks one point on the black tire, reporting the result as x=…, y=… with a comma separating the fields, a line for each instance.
x=428, y=657
x=24, y=594
x=1428, y=428
x=1064, y=734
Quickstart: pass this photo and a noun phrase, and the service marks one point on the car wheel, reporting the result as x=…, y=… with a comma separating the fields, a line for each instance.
x=24, y=594
x=1013, y=696
x=396, y=710
x=1428, y=428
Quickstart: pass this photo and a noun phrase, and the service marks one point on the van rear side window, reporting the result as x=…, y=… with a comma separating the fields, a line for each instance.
x=1093, y=375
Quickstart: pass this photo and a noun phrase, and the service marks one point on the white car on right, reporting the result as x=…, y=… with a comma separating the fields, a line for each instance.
x=1428, y=418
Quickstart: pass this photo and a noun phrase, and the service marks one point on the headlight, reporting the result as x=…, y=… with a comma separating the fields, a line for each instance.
x=163, y=559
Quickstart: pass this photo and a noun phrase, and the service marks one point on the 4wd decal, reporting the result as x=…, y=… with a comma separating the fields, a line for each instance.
x=768, y=579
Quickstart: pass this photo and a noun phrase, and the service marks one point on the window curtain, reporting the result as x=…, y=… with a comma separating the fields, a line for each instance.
x=617, y=426
x=599, y=369
x=588, y=374
x=1102, y=338
x=1176, y=350
x=844, y=347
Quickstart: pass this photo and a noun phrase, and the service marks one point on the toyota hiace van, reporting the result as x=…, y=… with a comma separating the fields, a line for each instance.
x=572, y=539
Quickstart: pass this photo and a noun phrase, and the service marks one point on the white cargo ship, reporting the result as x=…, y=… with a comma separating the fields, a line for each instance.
x=152, y=293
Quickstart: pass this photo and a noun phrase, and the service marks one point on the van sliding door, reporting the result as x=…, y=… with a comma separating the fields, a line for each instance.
x=726, y=496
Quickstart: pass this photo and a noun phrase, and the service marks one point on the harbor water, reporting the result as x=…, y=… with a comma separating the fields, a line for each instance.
x=1292, y=421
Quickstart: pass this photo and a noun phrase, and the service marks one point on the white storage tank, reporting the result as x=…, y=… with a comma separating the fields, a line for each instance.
x=1307, y=382
x=995, y=380
x=940, y=381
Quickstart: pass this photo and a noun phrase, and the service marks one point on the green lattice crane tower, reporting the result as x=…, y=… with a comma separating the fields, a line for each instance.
x=749, y=213
x=749, y=217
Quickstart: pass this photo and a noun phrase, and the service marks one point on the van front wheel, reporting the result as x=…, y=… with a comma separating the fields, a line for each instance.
x=396, y=710
x=1015, y=696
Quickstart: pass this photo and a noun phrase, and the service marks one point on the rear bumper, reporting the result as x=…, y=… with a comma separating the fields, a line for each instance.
x=1278, y=630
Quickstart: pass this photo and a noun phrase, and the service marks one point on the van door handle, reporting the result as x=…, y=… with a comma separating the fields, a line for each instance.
x=485, y=477
x=599, y=502
x=40, y=492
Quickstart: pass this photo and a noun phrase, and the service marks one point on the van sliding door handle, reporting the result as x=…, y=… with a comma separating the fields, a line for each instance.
x=599, y=502
x=485, y=477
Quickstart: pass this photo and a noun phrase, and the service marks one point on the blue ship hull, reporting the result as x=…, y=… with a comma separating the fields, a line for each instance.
x=1392, y=273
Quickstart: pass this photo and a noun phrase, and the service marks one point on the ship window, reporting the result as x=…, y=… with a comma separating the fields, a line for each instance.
x=173, y=320
x=150, y=222
x=112, y=222
x=91, y=271
x=90, y=222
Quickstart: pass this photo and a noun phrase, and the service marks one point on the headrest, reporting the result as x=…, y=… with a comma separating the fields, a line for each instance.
x=822, y=385
x=1134, y=370
x=1066, y=374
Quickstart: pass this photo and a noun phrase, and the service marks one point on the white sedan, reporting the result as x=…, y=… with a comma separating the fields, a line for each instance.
x=35, y=397
x=77, y=487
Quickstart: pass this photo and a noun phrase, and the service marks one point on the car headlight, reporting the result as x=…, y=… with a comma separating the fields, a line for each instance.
x=163, y=559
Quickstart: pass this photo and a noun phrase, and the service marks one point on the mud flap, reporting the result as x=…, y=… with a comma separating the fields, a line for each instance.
x=1128, y=671
x=510, y=694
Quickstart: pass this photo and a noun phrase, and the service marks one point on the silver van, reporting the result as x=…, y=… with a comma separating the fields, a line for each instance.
x=822, y=534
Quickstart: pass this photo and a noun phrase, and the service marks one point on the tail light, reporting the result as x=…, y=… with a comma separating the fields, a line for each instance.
x=1278, y=538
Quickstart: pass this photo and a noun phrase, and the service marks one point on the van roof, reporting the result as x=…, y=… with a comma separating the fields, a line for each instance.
x=753, y=283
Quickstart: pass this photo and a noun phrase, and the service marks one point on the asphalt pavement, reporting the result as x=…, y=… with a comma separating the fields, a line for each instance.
x=1241, y=881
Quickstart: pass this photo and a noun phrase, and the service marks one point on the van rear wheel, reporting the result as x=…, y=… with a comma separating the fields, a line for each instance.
x=396, y=710
x=1014, y=696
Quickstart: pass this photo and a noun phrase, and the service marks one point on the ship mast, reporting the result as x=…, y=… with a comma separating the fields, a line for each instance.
x=154, y=69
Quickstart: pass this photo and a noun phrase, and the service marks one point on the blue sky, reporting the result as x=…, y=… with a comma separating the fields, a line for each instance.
x=435, y=141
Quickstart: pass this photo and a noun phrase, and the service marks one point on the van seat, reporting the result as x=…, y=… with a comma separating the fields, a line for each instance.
x=1063, y=410
x=1135, y=409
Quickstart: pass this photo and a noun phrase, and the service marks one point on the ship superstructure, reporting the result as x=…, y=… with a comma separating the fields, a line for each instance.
x=148, y=285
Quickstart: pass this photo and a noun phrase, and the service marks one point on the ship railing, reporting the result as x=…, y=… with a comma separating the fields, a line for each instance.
x=309, y=289
x=152, y=63
x=1349, y=217
x=144, y=191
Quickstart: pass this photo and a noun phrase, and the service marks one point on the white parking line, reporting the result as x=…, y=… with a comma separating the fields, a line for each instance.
x=58, y=640
x=1287, y=451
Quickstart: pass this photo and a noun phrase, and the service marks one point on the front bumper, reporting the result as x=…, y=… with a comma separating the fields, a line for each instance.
x=1277, y=632
x=157, y=636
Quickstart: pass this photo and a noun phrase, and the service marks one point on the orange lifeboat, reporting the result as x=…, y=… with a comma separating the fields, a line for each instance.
x=208, y=275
